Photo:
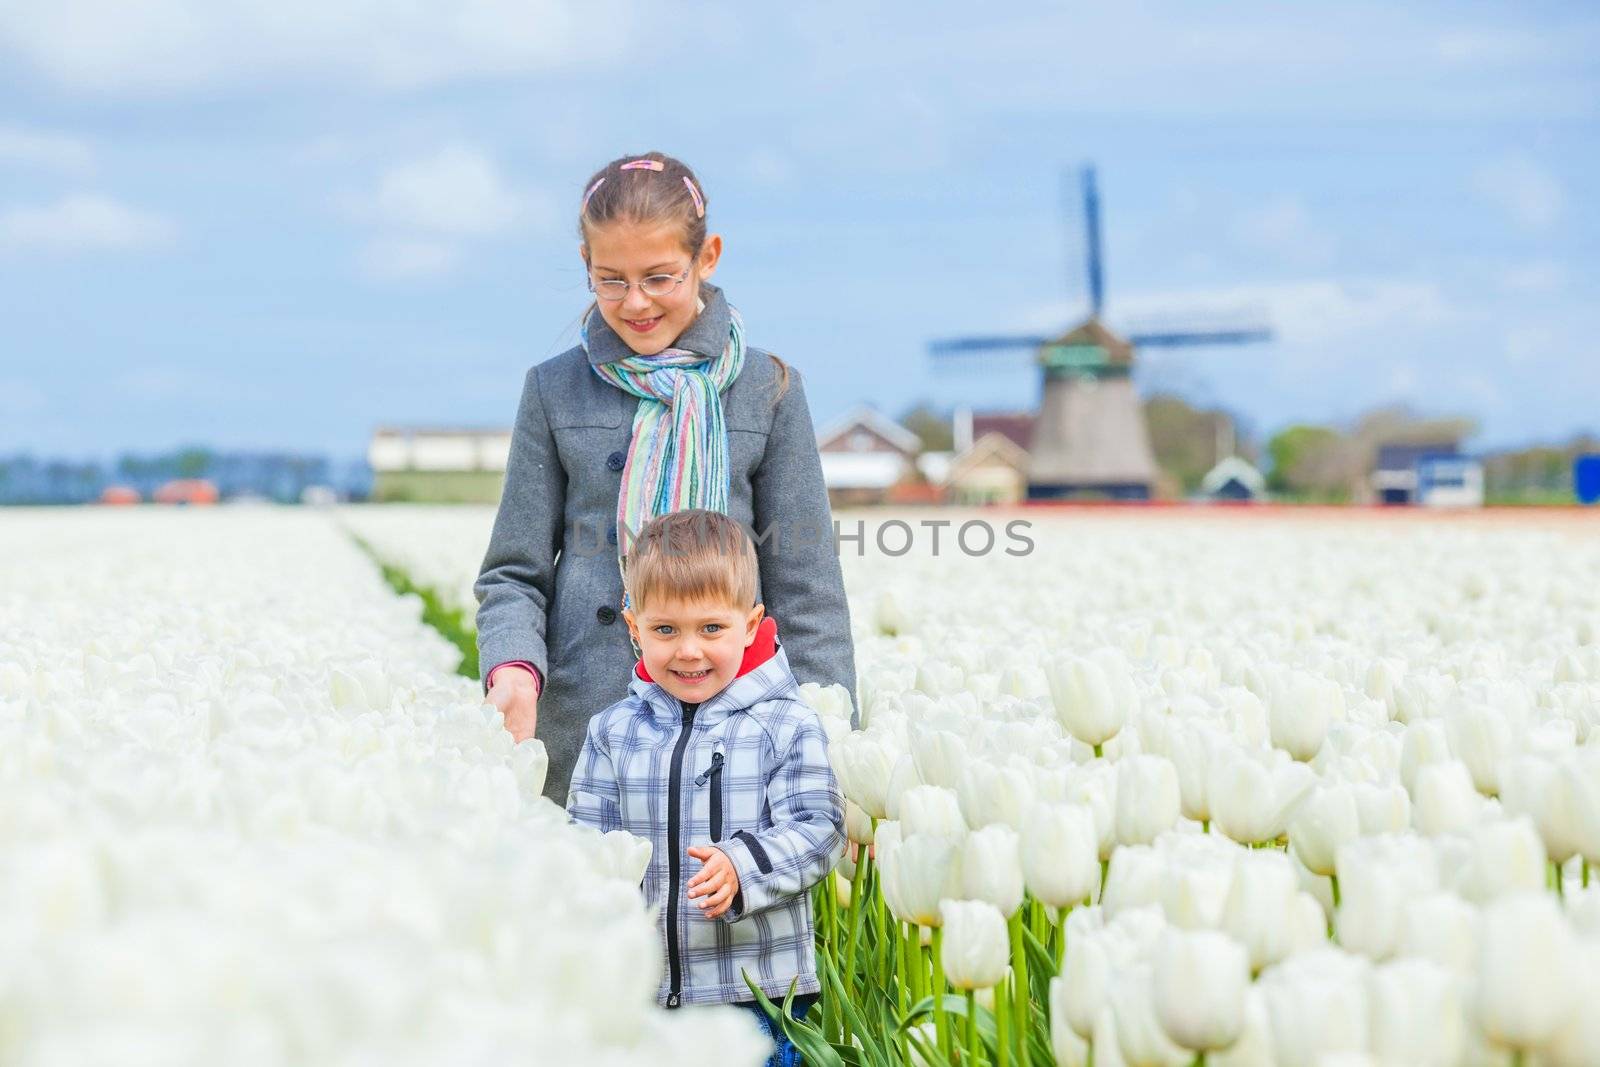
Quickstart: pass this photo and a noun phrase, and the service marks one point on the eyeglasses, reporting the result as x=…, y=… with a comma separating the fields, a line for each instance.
x=656, y=286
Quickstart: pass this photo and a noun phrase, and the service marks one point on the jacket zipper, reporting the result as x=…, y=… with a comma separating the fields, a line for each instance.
x=674, y=788
x=714, y=773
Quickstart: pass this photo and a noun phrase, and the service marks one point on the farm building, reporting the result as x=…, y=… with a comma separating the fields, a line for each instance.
x=1233, y=479
x=865, y=454
x=1433, y=474
x=438, y=465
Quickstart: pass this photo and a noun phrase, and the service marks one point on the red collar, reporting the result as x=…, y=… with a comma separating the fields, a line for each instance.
x=761, y=649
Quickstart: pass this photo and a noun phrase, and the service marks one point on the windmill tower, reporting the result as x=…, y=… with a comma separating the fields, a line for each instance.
x=1089, y=437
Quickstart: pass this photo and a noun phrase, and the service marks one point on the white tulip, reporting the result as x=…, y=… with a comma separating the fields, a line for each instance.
x=1260, y=906
x=1480, y=737
x=940, y=756
x=976, y=951
x=901, y=780
x=1533, y=786
x=1299, y=713
x=625, y=855
x=1147, y=799
x=1070, y=1049
x=1092, y=697
x=1094, y=786
x=1326, y=819
x=1527, y=976
x=1060, y=853
x=991, y=868
x=857, y=824
x=1443, y=928
x=1378, y=877
x=1416, y=1014
x=1317, y=1004
x=1383, y=809
x=828, y=701
x=1135, y=879
x=1580, y=782
x=1253, y=798
x=1254, y=1047
x=863, y=764
x=922, y=870
x=1444, y=800
x=1140, y=1039
x=1577, y=1043
x=1425, y=743
x=1507, y=856
x=989, y=794
x=1084, y=981
x=932, y=810
x=1192, y=746
x=1200, y=980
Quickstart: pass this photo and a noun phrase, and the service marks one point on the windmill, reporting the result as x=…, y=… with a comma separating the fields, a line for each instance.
x=1089, y=437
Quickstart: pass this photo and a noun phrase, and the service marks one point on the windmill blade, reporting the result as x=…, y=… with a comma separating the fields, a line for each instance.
x=1200, y=338
x=1091, y=233
x=973, y=345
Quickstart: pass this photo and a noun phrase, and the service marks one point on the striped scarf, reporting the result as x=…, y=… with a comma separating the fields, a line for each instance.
x=678, y=457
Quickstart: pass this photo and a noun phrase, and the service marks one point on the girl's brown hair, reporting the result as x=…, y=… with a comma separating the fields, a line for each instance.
x=671, y=195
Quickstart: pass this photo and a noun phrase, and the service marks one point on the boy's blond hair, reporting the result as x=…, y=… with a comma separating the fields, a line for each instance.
x=691, y=555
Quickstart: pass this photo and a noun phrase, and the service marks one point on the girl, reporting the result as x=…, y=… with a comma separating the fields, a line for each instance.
x=661, y=407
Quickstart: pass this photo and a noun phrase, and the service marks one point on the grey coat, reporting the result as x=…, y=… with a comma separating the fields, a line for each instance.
x=549, y=591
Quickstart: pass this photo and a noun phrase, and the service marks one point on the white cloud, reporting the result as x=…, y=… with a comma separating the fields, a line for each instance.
x=1282, y=228
x=36, y=148
x=181, y=45
x=1524, y=190
x=81, y=222
x=457, y=191
x=401, y=260
x=1538, y=277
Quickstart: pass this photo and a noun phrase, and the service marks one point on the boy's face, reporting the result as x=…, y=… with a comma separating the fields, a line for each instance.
x=692, y=648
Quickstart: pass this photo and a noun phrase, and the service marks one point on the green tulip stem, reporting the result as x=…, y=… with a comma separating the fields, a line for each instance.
x=857, y=909
x=972, y=1028
x=914, y=970
x=1002, y=1023
x=1586, y=872
x=1555, y=876
x=1333, y=880
x=941, y=1026
x=1024, y=997
x=1098, y=751
x=1205, y=826
x=1516, y=1058
x=1105, y=866
x=1199, y=1059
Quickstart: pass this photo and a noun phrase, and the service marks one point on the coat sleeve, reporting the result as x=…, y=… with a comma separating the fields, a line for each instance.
x=594, y=798
x=806, y=838
x=517, y=579
x=801, y=581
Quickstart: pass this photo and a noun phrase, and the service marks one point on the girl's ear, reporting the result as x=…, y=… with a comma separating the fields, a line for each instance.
x=752, y=623
x=710, y=253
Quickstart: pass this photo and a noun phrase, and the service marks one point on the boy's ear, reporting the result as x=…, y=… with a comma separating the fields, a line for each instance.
x=752, y=623
x=633, y=624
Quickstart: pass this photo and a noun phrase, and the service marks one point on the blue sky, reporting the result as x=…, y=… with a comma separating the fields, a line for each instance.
x=279, y=224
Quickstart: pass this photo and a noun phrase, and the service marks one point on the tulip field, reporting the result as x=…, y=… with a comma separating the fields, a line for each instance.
x=1271, y=788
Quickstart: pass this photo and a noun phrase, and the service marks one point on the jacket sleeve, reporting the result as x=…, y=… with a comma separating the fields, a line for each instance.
x=806, y=838
x=801, y=581
x=594, y=798
x=517, y=579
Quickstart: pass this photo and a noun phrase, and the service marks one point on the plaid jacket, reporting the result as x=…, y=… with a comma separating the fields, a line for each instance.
x=750, y=772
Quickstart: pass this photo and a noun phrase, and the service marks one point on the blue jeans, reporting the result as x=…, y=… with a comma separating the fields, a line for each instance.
x=784, y=1053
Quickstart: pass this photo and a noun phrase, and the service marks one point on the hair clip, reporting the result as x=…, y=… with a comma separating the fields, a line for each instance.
x=699, y=204
x=598, y=183
x=644, y=164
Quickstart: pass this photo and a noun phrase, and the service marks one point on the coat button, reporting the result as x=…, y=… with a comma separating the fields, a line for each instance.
x=611, y=534
x=606, y=614
x=615, y=461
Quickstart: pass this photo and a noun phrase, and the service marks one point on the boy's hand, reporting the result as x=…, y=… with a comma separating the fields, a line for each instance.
x=716, y=883
x=516, y=694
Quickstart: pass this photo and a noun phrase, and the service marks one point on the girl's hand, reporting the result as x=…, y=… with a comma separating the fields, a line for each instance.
x=516, y=695
x=716, y=883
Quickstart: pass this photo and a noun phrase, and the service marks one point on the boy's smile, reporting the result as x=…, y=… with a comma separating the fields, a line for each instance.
x=692, y=648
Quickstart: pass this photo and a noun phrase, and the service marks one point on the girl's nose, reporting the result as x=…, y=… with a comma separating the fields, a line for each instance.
x=636, y=303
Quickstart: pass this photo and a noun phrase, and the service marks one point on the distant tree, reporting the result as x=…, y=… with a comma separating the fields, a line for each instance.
x=193, y=461
x=932, y=426
x=1309, y=461
x=1188, y=441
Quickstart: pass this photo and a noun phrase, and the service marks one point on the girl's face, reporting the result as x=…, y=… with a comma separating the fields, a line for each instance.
x=692, y=648
x=633, y=251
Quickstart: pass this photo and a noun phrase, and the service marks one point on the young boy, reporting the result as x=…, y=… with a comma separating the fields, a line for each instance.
x=714, y=759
